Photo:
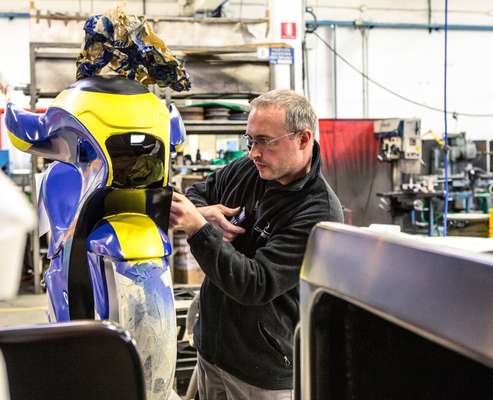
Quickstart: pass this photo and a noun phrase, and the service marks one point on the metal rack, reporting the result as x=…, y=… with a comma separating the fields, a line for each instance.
x=54, y=52
x=61, y=56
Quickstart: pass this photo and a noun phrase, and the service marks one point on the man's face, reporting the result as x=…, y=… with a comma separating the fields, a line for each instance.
x=281, y=160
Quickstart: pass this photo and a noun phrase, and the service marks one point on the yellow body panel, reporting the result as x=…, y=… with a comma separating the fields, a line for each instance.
x=124, y=200
x=138, y=236
x=179, y=148
x=18, y=143
x=107, y=114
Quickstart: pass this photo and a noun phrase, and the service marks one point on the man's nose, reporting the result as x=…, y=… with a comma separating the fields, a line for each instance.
x=253, y=153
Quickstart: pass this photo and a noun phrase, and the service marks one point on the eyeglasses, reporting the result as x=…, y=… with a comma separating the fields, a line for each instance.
x=263, y=141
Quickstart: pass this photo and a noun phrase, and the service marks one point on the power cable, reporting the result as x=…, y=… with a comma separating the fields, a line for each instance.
x=312, y=27
x=454, y=114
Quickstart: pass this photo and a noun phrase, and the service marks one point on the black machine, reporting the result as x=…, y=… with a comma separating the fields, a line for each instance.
x=417, y=198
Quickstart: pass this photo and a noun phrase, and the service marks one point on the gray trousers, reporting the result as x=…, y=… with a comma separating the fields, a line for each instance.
x=216, y=384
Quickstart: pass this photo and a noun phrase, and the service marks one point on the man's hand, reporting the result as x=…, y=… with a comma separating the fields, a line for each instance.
x=184, y=215
x=216, y=215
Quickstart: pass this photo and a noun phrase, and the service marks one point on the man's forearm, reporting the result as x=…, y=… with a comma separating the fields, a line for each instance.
x=250, y=281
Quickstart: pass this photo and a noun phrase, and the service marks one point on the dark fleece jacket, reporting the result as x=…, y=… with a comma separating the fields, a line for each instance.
x=249, y=300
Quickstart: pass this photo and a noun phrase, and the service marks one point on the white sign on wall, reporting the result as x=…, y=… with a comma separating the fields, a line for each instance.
x=281, y=55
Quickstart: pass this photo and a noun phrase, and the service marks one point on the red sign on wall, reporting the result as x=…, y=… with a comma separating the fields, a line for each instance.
x=288, y=30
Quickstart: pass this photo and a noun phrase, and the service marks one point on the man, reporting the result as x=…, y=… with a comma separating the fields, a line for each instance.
x=249, y=300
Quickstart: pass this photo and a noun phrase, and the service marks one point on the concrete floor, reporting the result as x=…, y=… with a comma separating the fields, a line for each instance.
x=25, y=309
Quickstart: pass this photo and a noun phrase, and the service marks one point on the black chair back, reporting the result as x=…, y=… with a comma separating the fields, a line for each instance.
x=77, y=360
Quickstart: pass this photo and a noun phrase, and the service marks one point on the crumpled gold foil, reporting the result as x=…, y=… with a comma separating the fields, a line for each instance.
x=126, y=45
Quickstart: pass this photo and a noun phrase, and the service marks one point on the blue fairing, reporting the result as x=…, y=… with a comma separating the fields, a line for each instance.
x=56, y=278
x=103, y=241
x=60, y=194
x=166, y=242
x=58, y=135
x=28, y=126
x=87, y=153
x=55, y=135
x=177, y=127
x=149, y=275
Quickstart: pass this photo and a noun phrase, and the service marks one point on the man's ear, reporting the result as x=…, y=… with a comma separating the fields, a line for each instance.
x=306, y=136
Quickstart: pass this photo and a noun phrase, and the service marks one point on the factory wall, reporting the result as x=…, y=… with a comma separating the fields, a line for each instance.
x=408, y=62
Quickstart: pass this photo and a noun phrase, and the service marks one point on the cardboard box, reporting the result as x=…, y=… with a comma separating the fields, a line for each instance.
x=189, y=276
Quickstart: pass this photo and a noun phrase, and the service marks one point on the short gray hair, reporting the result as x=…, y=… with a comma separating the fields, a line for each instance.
x=299, y=112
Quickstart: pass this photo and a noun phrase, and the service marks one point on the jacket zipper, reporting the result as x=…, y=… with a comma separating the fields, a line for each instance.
x=275, y=344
